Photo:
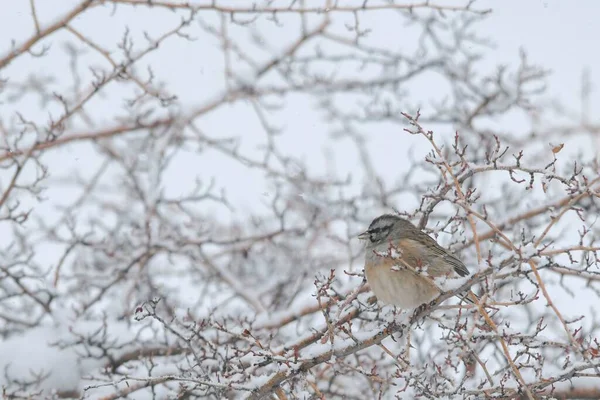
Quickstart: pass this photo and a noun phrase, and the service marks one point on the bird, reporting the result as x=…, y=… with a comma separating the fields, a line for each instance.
x=400, y=259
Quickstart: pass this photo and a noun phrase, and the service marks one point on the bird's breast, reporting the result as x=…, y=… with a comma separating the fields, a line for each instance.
x=398, y=286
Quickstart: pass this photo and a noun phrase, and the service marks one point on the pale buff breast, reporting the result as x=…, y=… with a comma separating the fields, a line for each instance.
x=401, y=288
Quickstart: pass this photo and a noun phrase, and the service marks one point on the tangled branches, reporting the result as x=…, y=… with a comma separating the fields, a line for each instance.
x=179, y=203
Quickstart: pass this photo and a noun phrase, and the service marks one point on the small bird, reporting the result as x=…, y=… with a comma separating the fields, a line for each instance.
x=396, y=251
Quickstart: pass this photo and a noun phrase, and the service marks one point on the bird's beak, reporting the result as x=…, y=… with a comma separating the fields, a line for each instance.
x=364, y=235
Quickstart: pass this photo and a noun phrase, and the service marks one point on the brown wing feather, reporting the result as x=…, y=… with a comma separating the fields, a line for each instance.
x=425, y=248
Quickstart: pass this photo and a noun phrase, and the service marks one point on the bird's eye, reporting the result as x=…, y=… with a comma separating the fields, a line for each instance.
x=377, y=234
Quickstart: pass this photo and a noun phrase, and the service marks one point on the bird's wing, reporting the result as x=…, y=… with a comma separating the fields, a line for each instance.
x=426, y=244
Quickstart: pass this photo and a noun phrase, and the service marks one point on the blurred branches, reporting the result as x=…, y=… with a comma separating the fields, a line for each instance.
x=126, y=260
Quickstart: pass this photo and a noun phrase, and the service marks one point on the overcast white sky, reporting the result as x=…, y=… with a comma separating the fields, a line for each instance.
x=561, y=36
x=557, y=34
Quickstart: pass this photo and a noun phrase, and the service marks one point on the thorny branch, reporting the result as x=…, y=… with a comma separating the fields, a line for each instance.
x=127, y=253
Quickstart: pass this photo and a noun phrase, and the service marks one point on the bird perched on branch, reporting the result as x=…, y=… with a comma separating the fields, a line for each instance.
x=401, y=262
